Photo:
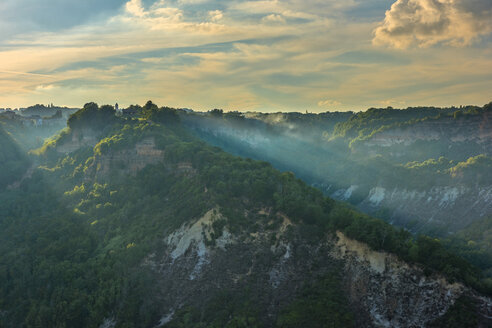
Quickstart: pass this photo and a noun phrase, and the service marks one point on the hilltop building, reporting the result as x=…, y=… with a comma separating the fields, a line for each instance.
x=119, y=110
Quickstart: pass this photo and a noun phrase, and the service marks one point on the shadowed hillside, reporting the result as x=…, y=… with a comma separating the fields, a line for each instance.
x=420, y=168
x=13, y=161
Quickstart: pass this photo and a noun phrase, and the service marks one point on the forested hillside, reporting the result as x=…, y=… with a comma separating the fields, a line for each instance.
x=135, y=222
x=13, y=162
x=415, y=148
x=425, y=169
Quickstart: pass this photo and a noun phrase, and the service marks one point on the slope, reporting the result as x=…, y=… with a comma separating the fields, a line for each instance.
x=13, y=162
x=136, y=223
x=420, y=168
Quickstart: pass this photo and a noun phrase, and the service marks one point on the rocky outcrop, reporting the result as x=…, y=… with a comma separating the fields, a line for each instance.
x=78, y=139
x=477, y=129
x=394, y=293
x=195, y=266
x=127, y=161
x=454, y=207
x=449, y=202
x=384, y=292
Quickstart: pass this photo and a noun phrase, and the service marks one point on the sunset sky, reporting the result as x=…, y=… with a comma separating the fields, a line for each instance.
x=291, y=55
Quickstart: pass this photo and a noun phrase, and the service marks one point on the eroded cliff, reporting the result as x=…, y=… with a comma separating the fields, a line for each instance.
x=203, y=256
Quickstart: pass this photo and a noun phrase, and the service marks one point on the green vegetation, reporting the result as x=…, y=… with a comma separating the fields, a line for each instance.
x=474, y=243
x=13, y=162
x=407, y=152
x=321, y=304
x=228, y=309
x=75, y=237
x=92, y=116
x=477, y=168
x=461, y=315
x=366, y=124
x=163, y=115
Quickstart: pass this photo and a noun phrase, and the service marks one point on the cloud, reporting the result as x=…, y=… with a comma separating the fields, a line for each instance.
x=167, y=17
x=248, y=55
x=215, y=15
x=392, y=102
x=42, y=88
x=273, y=18
x=424, y=23
x=192, y=1
x=156, y=15
x=329, y=103
x=135, y=8
x=18, y=17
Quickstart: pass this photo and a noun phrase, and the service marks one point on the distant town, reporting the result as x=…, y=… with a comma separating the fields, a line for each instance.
x=37, y=115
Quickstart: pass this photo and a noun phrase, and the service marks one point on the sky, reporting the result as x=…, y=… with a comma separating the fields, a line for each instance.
x=262, y=55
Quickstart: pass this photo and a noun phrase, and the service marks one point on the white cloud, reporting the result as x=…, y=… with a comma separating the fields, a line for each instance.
x=392, y=102
x=329, y=103
x=424, y=23
x=215, y=15
x=42, y=88
x=283, y=66
x=194, y=2
x=156, y=15
x=273, y=18
x=135, y=8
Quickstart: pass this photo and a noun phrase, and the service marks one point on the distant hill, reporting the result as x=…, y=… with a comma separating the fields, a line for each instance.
x=420, y=168
x=47, y=111
x=31, y=131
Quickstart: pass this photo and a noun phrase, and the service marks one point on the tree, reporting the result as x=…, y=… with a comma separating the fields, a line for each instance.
x=92, y=116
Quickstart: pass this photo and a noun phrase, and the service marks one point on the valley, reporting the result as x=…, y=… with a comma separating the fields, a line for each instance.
x=135, y=222
x=300, y=164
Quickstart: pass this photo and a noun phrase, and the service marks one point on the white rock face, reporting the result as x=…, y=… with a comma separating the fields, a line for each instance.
x=345, y=194
x=108, y=323
x=165, y=319
x=394, y=293
x=452, y=206
x=187, y=236
x=382, y=290
x=279, y=272
x=376, y=195
x=449, y=196
x=193, y=237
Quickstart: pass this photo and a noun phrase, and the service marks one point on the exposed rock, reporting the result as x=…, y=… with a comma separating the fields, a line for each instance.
x=394, y=293
x=382, y=290
x=108, y=323
x=437, y=206
x=127, y=161
x=192, y=269
x=79, y=138
x=344, y=194
x=453, y=204
x=477, y=129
